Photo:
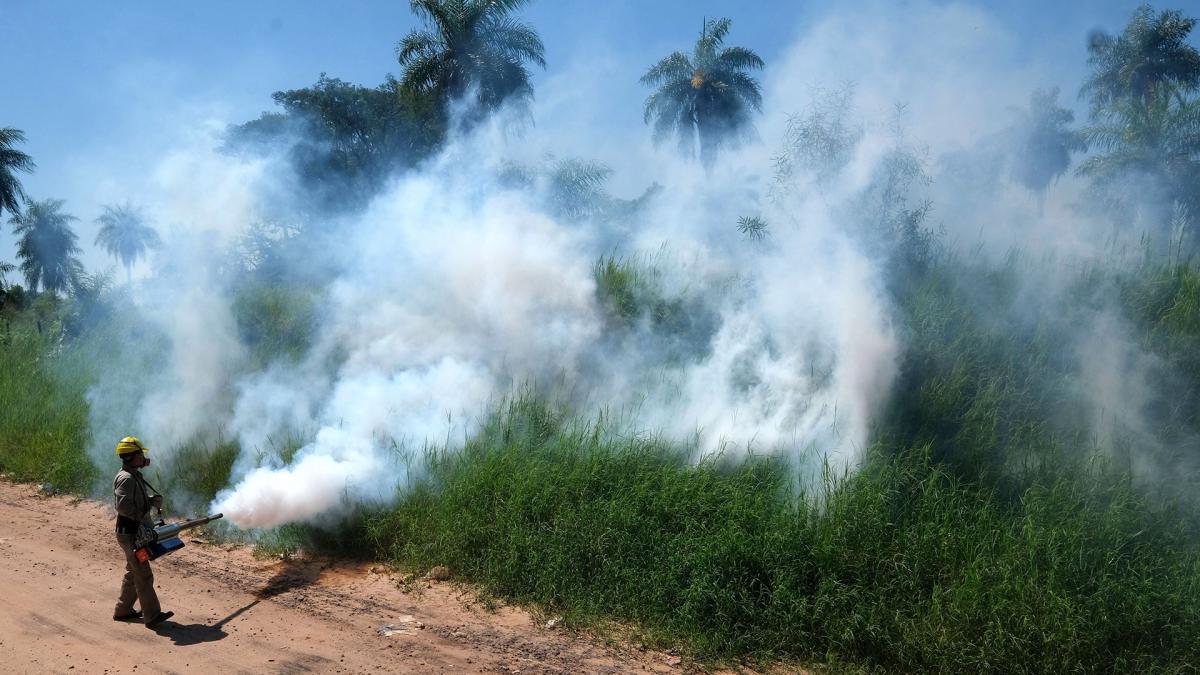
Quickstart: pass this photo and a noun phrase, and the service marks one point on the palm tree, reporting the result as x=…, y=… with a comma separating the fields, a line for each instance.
x=1045, y=143
x=471, y=46
x=1145, y=121
x=47, y=246
x=572, y=188
x=708, y=95
x=1158, y=138
x=1151, y=53
x=10, y=161
x=125, y=235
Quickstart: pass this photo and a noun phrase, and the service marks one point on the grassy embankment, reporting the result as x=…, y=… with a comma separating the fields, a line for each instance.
x=989, y=529
x=43, y=412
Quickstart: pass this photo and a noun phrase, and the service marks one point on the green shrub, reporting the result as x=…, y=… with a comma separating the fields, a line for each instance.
x=275, y=321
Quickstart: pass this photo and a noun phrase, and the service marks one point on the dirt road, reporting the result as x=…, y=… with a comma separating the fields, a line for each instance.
x=60, y=569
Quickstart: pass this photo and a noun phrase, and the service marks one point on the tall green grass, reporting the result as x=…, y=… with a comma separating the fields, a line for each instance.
x=43, y=412
x=196, y=471
x=902, y=565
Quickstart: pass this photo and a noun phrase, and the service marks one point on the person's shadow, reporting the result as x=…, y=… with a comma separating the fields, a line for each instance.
x=291, y=576
x=183, y=635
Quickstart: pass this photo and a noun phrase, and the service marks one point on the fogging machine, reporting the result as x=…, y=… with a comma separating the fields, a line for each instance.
x=155, y=542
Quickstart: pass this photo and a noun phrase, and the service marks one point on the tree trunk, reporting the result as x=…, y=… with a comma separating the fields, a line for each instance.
x=708, y=146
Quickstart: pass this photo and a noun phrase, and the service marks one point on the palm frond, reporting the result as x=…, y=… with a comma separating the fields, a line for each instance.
x=515, y=40
x=711, y=38
x=425, y=74
x=668, y=99
x=717, y=29
x=747, y=89
x=9, y=136
x=11, y=161
x=416, y=45
x=739, y=58
x=435, y=12
x=500, y=6
x=676, y=66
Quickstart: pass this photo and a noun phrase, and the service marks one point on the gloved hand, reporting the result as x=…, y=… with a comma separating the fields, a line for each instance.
x=156, y=501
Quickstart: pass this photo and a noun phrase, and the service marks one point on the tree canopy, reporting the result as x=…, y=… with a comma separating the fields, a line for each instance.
x=342, y=139
x=1044, y=142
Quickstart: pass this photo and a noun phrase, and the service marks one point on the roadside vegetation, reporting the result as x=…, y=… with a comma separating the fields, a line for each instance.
x=1006, y=516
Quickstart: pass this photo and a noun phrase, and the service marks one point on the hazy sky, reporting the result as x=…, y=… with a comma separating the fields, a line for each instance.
x=97, y=82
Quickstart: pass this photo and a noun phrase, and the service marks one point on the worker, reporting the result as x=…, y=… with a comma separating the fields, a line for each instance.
x=133, y=502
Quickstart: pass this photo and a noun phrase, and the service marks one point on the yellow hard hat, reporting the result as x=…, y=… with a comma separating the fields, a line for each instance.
x=128, y=445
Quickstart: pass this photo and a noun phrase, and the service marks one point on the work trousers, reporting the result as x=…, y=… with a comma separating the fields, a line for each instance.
x=138, y=583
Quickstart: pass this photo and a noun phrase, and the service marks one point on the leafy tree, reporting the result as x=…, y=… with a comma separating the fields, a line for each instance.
x=1045, y=143
x=125, y=235
x=471, y=46
x=817, y=144
x=894, y=204
x=708, y=95
x=47, y=246
x=12, y=160
x=342, y=139
x=275, y=252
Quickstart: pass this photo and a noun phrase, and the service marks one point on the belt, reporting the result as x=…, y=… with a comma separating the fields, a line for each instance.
x=126, y=525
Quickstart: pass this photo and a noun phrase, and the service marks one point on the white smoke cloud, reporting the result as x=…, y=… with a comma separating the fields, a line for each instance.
x=449, y=290
x=457, y=291
x=198, y=200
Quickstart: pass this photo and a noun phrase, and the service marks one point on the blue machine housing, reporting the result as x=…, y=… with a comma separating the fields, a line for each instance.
x=160, y=548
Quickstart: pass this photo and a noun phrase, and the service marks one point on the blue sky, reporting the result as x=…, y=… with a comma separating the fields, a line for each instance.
x=91, y=82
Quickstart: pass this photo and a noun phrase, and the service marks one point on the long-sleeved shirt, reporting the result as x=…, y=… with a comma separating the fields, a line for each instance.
x=130, y=499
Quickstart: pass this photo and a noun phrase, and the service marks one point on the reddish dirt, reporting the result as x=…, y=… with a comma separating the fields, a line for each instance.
x=60, y=570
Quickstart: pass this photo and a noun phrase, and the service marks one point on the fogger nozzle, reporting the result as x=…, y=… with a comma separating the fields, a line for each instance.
x=167, y=531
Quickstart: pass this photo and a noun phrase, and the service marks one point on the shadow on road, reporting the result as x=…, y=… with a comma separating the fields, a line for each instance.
x=290, y=576
x=183, y=635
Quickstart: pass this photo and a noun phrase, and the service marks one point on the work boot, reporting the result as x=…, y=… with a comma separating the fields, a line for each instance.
x=157, y=621
x=132, y=616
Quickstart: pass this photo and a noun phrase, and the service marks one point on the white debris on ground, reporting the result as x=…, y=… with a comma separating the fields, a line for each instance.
x=405, y=625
